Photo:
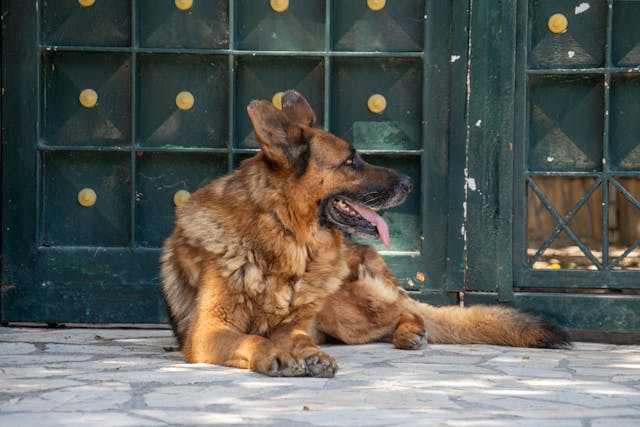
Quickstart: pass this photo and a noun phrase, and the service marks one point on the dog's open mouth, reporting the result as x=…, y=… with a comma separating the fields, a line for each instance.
x=357, y=219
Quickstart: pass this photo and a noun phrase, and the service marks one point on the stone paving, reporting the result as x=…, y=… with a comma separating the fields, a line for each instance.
x=115, y=377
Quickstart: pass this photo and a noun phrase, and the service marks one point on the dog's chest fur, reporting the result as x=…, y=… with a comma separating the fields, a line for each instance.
x=270, y=272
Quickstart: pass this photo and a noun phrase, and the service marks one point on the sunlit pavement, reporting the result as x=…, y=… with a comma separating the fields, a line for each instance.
x=115, y=377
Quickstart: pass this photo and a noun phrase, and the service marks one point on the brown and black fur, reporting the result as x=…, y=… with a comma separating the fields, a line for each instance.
x=258, y=271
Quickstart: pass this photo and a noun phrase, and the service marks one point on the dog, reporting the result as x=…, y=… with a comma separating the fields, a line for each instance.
x=260, y=267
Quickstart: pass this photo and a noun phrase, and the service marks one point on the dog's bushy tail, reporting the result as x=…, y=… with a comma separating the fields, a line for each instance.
x=483, y=324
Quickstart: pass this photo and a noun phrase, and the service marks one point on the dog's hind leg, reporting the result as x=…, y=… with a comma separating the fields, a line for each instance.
x=360, y=313
x=370, y=305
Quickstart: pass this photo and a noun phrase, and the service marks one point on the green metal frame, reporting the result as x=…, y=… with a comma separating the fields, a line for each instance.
x=605, y=277
x=87, y=282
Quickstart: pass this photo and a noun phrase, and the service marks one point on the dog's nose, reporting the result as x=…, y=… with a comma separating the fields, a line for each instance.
x=406, y=183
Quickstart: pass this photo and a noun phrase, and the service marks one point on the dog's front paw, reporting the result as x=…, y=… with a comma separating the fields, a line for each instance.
x=321, y=365
x=284, y=365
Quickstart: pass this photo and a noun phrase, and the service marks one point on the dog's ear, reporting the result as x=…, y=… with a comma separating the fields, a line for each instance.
x=283, y=143
x=297, y=109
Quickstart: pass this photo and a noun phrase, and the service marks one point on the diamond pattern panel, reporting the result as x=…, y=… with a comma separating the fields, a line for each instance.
x=66, y=222
x=625, y=123
x=626, y=37
x=66, y=121
x=393, y=28
x=204, y=25
x=105, y=23
x=399, y=81
x=161, y=78
x=566, y=123
x=300, y=27
x=583, y=43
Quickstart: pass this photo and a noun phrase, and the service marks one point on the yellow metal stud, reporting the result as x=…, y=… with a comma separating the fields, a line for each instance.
x=184, y=4
x=557, y=23
x=277, y=100
x=86, y=3
x=185, y=100
x=180, y=197
x=279, y=5
x=376, y=4
x=87, y=197
x=377, y=103
x=88, y=98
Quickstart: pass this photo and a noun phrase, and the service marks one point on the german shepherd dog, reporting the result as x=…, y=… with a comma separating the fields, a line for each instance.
x=259, y=268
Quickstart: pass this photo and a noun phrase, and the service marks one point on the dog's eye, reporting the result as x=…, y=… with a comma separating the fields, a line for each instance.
x=352, y=163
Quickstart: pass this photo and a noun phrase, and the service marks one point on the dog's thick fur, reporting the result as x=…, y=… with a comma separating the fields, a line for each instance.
x=257, y=270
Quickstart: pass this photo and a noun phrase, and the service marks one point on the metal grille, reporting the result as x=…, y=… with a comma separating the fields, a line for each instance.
x=140, y=101
x=137, y=56
x=581, y=159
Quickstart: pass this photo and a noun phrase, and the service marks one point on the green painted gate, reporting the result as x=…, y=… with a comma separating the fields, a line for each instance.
x=112, y=109
x=553, y=158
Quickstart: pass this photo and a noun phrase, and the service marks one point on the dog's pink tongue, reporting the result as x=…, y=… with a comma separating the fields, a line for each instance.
x=371, y=216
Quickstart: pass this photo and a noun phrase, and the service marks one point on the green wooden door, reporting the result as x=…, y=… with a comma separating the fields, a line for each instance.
x=558, y=182
x=111, y=108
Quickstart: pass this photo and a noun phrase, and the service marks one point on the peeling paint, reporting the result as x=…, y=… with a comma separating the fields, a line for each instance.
x=454, y=58
x=582, y=7
x=463, y=230
x=471, y=184
x=479, y=123
x=571, y=54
